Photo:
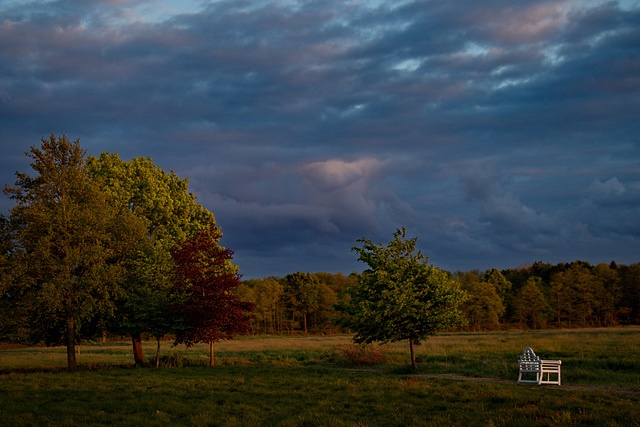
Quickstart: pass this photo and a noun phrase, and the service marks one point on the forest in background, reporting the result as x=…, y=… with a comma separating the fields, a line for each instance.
x=540, y=295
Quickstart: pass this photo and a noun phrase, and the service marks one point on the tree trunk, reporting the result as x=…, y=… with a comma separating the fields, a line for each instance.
x=413, y=355
x=137, y=349
x=158, y=354
x=279, y=321
x=211, y=354
x=304, y=314
x=71, y=346
x=535, y=325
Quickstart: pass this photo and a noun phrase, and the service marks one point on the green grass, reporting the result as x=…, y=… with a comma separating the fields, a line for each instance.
x=251, y=395
x=293, y=381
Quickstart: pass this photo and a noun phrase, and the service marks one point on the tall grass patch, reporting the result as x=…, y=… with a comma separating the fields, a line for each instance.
x=362, y=354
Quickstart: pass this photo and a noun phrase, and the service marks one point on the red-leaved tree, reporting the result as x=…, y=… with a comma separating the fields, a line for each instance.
x=205, y=278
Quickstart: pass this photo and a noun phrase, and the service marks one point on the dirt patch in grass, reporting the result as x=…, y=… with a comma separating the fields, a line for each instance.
x=476, y=379
x=571, y=387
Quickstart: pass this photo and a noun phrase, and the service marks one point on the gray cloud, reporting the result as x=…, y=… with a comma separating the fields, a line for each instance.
x=497, y=133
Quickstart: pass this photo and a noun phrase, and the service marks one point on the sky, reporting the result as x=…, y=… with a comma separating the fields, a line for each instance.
x=500, y=133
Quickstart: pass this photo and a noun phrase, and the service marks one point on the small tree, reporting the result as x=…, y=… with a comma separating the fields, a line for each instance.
x=205, y=279
x=400, y=296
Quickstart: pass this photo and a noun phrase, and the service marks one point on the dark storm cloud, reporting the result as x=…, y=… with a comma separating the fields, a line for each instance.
x=499, y=133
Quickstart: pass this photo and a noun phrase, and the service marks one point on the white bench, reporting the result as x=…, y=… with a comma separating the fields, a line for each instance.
x=531, y=364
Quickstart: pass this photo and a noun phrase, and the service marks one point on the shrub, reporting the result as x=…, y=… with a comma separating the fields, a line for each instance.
x=362, y=354
x=173, y=360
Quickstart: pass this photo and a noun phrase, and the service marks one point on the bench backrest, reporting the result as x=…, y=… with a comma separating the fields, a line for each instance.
x=529, y=360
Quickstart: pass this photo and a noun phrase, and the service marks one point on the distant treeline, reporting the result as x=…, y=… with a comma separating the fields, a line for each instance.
x=540, y=295
x=545, y=295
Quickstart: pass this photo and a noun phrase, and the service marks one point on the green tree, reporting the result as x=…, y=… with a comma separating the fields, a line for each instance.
x=484, y=306
x=337, y=282
x=400, y=297
x=545, y=270
x=302, y=292
x=266, y=294
x=502, y=287
x=171, y=214
x=607, y=293
x=324, y=311
x=12, y=301
x=244, y=292
x=332, y=290
x=517, y=277
x=531, y=305
x=561, y=296
x=573, y=291
x=69, y=241
x=497, y=279
x=630, y=293
x=581, y=280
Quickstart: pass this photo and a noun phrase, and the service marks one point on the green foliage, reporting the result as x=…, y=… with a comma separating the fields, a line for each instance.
x=13, y=311
x=567, y=294
x=69, y=241
x=573, y=295
x=283, y=304
x=400, y=296
x=608, y=293
x=531, y=305
x=484, y=306
x=161, y=200
x=302, y=291
x=266, y=294
x=170, y=214
x=629, y=307
x=499, y=282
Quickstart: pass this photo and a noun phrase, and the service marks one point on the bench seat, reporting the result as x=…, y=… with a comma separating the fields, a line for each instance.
x=531, y=364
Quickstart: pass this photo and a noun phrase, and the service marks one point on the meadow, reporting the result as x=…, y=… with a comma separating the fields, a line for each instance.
x=463, y=379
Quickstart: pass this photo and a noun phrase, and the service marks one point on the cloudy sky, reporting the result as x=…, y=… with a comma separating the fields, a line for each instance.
x=499, y=132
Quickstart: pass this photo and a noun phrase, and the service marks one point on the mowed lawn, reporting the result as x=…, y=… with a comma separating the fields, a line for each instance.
x=464, y=379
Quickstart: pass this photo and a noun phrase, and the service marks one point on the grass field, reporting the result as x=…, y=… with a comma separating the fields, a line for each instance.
x=464, y=379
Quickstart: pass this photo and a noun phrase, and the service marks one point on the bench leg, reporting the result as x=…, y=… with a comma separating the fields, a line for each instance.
x=548, y=380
